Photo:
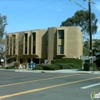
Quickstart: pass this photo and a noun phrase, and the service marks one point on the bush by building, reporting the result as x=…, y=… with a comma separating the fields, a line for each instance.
x=57, y=66
x=88, y=65
x=38, y=68
x=66, y=63
x=98, y=63
x=77, y=63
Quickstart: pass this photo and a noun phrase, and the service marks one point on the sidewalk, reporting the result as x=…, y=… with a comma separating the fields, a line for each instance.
x=53, y=71
x=59, y=71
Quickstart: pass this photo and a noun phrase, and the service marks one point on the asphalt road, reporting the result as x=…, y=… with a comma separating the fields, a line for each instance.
x=47, y=86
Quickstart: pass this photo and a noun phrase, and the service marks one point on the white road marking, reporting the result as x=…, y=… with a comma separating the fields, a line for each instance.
x=89, y=86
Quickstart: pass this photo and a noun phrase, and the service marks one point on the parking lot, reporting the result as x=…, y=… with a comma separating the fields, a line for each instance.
x=47, y=86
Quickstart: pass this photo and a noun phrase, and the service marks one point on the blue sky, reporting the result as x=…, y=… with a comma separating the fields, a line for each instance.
x=41, y=14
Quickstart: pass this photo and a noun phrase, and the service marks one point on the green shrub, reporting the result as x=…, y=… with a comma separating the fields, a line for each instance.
x=88, y=65
x=75, y=66
x=68, y=66
x=68, y=60
x=37, y=68
x=51, y=67
x=47, y=67
x=95, y=67
x=10, y=67
x=57, y=66
x=98, y=62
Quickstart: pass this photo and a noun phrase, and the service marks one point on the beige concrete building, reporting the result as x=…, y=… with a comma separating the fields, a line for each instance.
x=44, y=44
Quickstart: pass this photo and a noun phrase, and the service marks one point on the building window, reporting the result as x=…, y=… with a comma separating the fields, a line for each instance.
x=8, y=42
x=14, y=50
x=61, y=34
x=34, y=36
x=25, y=37
x=14, y=44
x=33, y=49
x=61, y=49
x=25, y=50
x=25, y=42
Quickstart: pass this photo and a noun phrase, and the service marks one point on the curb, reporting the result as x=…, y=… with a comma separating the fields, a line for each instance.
x=52, y=71
x=12, y=70
x=60, y=71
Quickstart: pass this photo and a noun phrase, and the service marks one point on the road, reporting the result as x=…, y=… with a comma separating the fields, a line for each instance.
x=47, y=86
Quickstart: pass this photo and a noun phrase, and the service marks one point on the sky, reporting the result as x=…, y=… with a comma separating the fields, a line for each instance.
x=25, y=15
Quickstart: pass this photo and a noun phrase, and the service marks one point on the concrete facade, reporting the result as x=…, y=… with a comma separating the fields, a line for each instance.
x=44, y=44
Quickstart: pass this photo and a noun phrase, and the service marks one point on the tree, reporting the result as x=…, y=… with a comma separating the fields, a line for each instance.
x=3, y=23
x=86, y=48
x=96, y=44
x=81, y=18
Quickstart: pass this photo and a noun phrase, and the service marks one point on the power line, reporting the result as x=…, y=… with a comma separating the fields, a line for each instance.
x=33, y=9
x=78, y=4
x=90, y=1
x=40, y=11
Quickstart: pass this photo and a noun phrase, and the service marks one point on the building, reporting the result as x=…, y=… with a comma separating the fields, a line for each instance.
x=44, y=44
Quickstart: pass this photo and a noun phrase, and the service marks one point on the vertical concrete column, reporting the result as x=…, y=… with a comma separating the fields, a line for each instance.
x=51, y=43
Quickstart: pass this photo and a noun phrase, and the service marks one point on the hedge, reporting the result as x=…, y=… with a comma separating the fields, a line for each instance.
x=98, y=62
x=65, y=63
x=68, y=60
x=57, y=66
x=10, y=67
x=69, y=66
x=47, y=67
x=51, y=67
x=88, y=65
x=37, y=68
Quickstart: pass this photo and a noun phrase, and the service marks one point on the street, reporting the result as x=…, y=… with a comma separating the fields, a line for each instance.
x=47, y=86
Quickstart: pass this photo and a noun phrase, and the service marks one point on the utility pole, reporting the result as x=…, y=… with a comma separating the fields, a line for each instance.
x=91, y=59
x=90, y=30
x=90, y=33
